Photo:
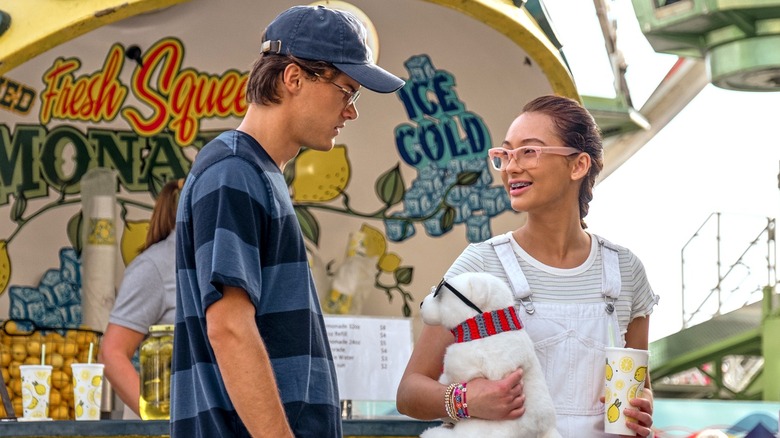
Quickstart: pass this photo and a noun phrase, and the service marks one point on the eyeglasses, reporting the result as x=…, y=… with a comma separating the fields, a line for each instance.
x=465, y=300
x=526, y=157
x=350, y=97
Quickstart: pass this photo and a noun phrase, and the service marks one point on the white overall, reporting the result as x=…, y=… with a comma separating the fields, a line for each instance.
x=570, y=341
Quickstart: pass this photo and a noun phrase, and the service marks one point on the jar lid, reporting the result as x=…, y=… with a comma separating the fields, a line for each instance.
x=161, y=328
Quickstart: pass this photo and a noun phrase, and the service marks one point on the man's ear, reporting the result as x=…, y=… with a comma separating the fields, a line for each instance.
x=581, y=166
x=293, y=77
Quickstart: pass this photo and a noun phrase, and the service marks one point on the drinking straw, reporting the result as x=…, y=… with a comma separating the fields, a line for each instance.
x=91, y=346
x=43, y=354
x=611, y=334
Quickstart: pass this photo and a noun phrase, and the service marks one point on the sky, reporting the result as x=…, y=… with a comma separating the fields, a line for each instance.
x=719, y=154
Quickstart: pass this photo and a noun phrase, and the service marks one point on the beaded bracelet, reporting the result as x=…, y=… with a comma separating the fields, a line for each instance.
x=448, y=402
x=459, y=401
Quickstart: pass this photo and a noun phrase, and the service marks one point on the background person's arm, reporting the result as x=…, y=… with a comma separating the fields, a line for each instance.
x=117, y=348
x=244, y=364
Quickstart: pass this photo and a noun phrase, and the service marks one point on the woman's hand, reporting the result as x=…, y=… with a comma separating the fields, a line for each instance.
x=497, y=399
x=641, y=411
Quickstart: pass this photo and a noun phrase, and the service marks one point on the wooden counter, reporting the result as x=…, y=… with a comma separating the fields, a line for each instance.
x=401, y=427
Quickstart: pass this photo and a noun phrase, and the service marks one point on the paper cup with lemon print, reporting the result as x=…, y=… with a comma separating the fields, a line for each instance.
x=624, y=377
x=36, y=386
x=87, y=390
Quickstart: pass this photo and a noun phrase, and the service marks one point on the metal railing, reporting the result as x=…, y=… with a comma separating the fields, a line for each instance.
x=741, y=282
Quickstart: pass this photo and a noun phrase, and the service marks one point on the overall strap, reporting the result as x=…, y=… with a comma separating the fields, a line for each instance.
x=522, y=291
x=610, y=273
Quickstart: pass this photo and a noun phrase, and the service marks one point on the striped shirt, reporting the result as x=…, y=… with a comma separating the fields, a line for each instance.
x=579, y=285
x=236, y=227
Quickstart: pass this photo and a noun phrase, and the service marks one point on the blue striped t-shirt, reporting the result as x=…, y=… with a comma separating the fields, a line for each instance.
x=236, y=226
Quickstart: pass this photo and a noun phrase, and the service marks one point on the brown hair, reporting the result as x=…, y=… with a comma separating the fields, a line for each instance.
x=577, y=128
x=163, y=218
x=261, y=87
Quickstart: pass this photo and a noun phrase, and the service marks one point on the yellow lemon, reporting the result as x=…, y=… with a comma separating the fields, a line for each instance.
x=5, y=356
x=626, y=364
x=97, y=380
x=608, y=371
x=320, y=176
x=80, y=410
x=613, y=413
x=640, y=374
x=620, y=385
x=373, y=240
x=133, y=239
x=5, y=266
x=389, y=262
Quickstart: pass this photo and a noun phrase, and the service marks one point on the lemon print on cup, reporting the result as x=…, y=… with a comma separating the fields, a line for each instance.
x=613, y=413
x=608, y=371
x=632, y=391
x=640, y=374
x=626, y=364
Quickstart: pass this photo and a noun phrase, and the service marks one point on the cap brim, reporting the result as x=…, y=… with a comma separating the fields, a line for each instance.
x=372, y=76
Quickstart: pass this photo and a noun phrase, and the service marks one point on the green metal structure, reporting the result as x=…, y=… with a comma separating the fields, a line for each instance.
x=733, y=354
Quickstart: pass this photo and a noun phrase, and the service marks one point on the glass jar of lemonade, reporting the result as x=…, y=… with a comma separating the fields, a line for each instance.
x=155, y=355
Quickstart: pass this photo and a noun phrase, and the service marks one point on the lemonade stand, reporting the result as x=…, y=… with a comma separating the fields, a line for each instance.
x=138, y=87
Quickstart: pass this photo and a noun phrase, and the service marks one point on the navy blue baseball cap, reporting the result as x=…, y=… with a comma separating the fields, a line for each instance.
x=324, y=34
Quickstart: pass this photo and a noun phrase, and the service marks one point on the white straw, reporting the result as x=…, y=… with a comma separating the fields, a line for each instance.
x=91, y=346
x=43, y=354
x=611, y=334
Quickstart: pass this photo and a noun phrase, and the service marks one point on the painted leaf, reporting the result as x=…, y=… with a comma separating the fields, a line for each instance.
x=447, y=219
x=74, y=232
x=309, y=225
x=390, y=186
x=467, y=178
x=20, y=205
x=404, y=274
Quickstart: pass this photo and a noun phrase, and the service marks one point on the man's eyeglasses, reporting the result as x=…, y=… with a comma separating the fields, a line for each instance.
x=526, y=157
x=350, y=97
x=443, y=283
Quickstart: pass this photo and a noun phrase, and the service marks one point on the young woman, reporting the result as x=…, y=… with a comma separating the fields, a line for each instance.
x=575, y=292
x=147, y=297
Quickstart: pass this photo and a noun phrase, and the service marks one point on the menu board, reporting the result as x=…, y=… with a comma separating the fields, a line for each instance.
x=370, y=355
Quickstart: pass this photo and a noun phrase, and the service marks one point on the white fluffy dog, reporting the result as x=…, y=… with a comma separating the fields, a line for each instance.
x=488, y=344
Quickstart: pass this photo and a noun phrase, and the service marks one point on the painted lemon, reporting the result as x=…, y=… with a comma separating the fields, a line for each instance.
x=608, y=371
x=626, y=364
x=389, y=262
x=5, y=266
x=640, y=374
x=133, y=239
x=97, y=380
x=80, y=410
x=320, y=176
x=373, y=240
x=613, y=413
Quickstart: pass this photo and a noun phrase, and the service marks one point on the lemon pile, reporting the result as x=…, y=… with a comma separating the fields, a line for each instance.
x=63, y=348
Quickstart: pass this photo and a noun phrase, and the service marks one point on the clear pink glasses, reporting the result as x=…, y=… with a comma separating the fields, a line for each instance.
x=526, y=157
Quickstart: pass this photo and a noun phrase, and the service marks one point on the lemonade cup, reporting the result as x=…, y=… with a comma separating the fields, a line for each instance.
x=36, y=386
x=625, y=375
x=87, y=390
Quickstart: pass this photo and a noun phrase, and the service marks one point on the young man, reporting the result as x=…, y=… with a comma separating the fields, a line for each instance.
x=251, y=353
